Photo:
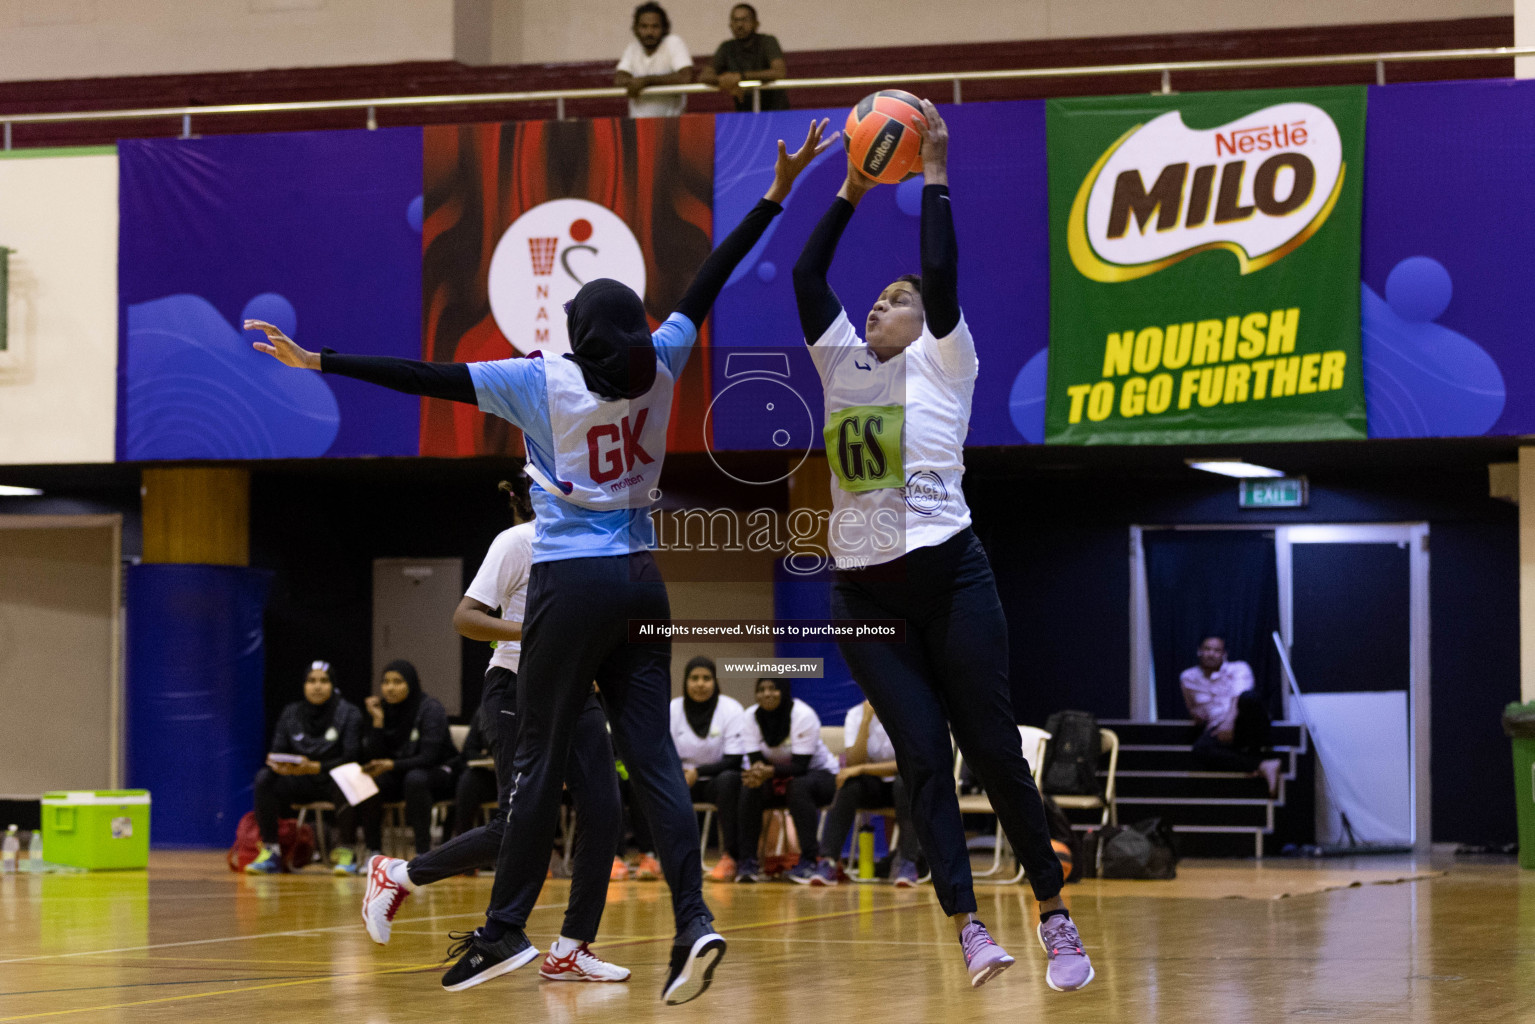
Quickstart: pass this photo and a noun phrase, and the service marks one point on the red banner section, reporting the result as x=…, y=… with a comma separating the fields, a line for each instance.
x=518, y=215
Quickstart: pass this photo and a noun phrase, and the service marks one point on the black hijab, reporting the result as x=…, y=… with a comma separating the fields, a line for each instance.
x=400, y=719
x=700, y=713
x=317, y=718
x=775, y=724
x=610, y=340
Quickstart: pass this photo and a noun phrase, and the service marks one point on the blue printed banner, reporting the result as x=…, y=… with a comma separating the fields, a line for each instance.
x=997, y=179
x=316, y=232
x=1449, y=240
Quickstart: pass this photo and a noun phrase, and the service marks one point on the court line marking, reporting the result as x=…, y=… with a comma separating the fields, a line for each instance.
x=221, y=992
x=805, y=919
x=298, y=933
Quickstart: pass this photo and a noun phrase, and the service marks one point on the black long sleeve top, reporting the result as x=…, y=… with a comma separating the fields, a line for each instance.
x=452, y=381
x=291, y=737
x=819, y=306
x=428, y=744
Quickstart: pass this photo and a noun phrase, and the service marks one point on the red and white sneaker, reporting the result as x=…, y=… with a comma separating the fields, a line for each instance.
x=382, y=899
x=581, y=964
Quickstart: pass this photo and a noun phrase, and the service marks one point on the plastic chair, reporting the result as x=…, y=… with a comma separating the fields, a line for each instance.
x=1033, y=741
x=319, y=807
x=707, y=810
x=1108, y=741
x=833, y=736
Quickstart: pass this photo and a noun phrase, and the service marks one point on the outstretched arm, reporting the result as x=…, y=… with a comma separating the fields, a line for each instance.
x=722, y=261
x=818, y=305
x=940, y=252
x=412, y=376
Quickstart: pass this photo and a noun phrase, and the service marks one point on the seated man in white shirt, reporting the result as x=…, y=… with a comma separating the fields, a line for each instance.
x=1234, y=724
x=656, y=57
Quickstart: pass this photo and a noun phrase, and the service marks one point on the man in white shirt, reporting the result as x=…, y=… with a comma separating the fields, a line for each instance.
x=1234, y=724
x=656, y=57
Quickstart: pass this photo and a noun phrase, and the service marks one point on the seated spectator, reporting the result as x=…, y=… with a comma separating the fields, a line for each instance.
x=748, y=55
x=656, y=57
x=785, y=765
x=868, y=780
x=322, y=731
x=703, y=719
x=1234, y=724
x=409, y=746
x=476, y=786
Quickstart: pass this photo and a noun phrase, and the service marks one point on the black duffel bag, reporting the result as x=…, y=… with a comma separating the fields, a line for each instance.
x=1147, y=849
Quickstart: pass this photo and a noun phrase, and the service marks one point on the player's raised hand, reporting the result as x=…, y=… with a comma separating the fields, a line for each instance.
x=789, y=165
x=281, y=347
x=935, y=145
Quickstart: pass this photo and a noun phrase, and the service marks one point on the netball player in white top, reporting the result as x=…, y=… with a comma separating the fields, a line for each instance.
x=897, y=412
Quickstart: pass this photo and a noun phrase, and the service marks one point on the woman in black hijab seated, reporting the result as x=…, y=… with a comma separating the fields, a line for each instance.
x=790, y=767
x=409, y=747
x=313, y=736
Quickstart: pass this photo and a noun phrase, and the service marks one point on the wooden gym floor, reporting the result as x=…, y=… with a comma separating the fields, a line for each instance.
x=1228, y=941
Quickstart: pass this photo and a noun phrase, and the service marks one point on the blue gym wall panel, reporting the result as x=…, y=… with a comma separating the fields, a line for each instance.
x=196, y=665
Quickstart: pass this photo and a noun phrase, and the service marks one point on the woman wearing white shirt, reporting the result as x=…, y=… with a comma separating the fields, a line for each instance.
x=788, y=766
x=703, y=719
x=869, y=780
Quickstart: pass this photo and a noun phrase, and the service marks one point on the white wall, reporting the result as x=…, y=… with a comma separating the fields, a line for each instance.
x=58, y=375
x=49, y=39
x=1524, y=35
x=59, y=653
x=594, y=29
x=102, y=38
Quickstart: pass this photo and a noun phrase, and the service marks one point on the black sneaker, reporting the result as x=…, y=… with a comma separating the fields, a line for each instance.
x=693, y=963
x=480, y=960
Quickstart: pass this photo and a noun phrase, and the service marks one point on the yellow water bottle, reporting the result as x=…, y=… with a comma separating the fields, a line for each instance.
x=866, y=852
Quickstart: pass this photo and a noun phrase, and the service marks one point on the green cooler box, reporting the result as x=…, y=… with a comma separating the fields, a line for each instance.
x=104, y=828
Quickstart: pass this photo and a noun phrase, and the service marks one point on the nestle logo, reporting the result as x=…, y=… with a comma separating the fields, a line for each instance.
x=1261, y=138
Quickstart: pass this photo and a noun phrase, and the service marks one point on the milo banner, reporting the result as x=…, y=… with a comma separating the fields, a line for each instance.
x=1204, y=258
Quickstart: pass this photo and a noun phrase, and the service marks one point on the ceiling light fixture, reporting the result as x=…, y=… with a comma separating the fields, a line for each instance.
x=7, y=491
x=1232, y=467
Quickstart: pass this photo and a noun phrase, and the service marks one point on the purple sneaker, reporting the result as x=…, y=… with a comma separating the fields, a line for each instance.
x=1069, y=969
x=821, y=872
x=983, y=956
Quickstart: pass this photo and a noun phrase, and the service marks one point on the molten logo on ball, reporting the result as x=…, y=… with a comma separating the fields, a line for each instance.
x=545, y=257
x=1257, y=187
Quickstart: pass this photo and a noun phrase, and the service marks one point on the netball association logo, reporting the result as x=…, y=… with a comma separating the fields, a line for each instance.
x=545, y=257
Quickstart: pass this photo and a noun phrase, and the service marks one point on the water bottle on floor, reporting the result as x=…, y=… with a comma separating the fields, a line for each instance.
x=9, y=848
x=35, y=850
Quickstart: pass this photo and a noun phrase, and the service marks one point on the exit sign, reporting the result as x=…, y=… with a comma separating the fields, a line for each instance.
x=1273, y=492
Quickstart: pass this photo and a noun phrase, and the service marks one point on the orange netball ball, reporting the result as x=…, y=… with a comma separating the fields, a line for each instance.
x=881, y=135
x=1063, y=852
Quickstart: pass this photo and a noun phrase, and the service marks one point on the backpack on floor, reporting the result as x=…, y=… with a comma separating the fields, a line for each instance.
x=296, y=843
x=1146, y=850
x=1068, y=845
x=1071, y=757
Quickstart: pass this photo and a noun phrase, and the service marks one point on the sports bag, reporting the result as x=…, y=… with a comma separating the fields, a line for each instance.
x=1071, y=757
x=296, y=843
x=1145, y=850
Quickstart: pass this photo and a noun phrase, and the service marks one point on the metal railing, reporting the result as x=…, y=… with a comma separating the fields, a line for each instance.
x=956, y=79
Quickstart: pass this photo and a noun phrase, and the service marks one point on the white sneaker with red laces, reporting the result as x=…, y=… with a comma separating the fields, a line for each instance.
x=382, y=898
x=580, y=964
